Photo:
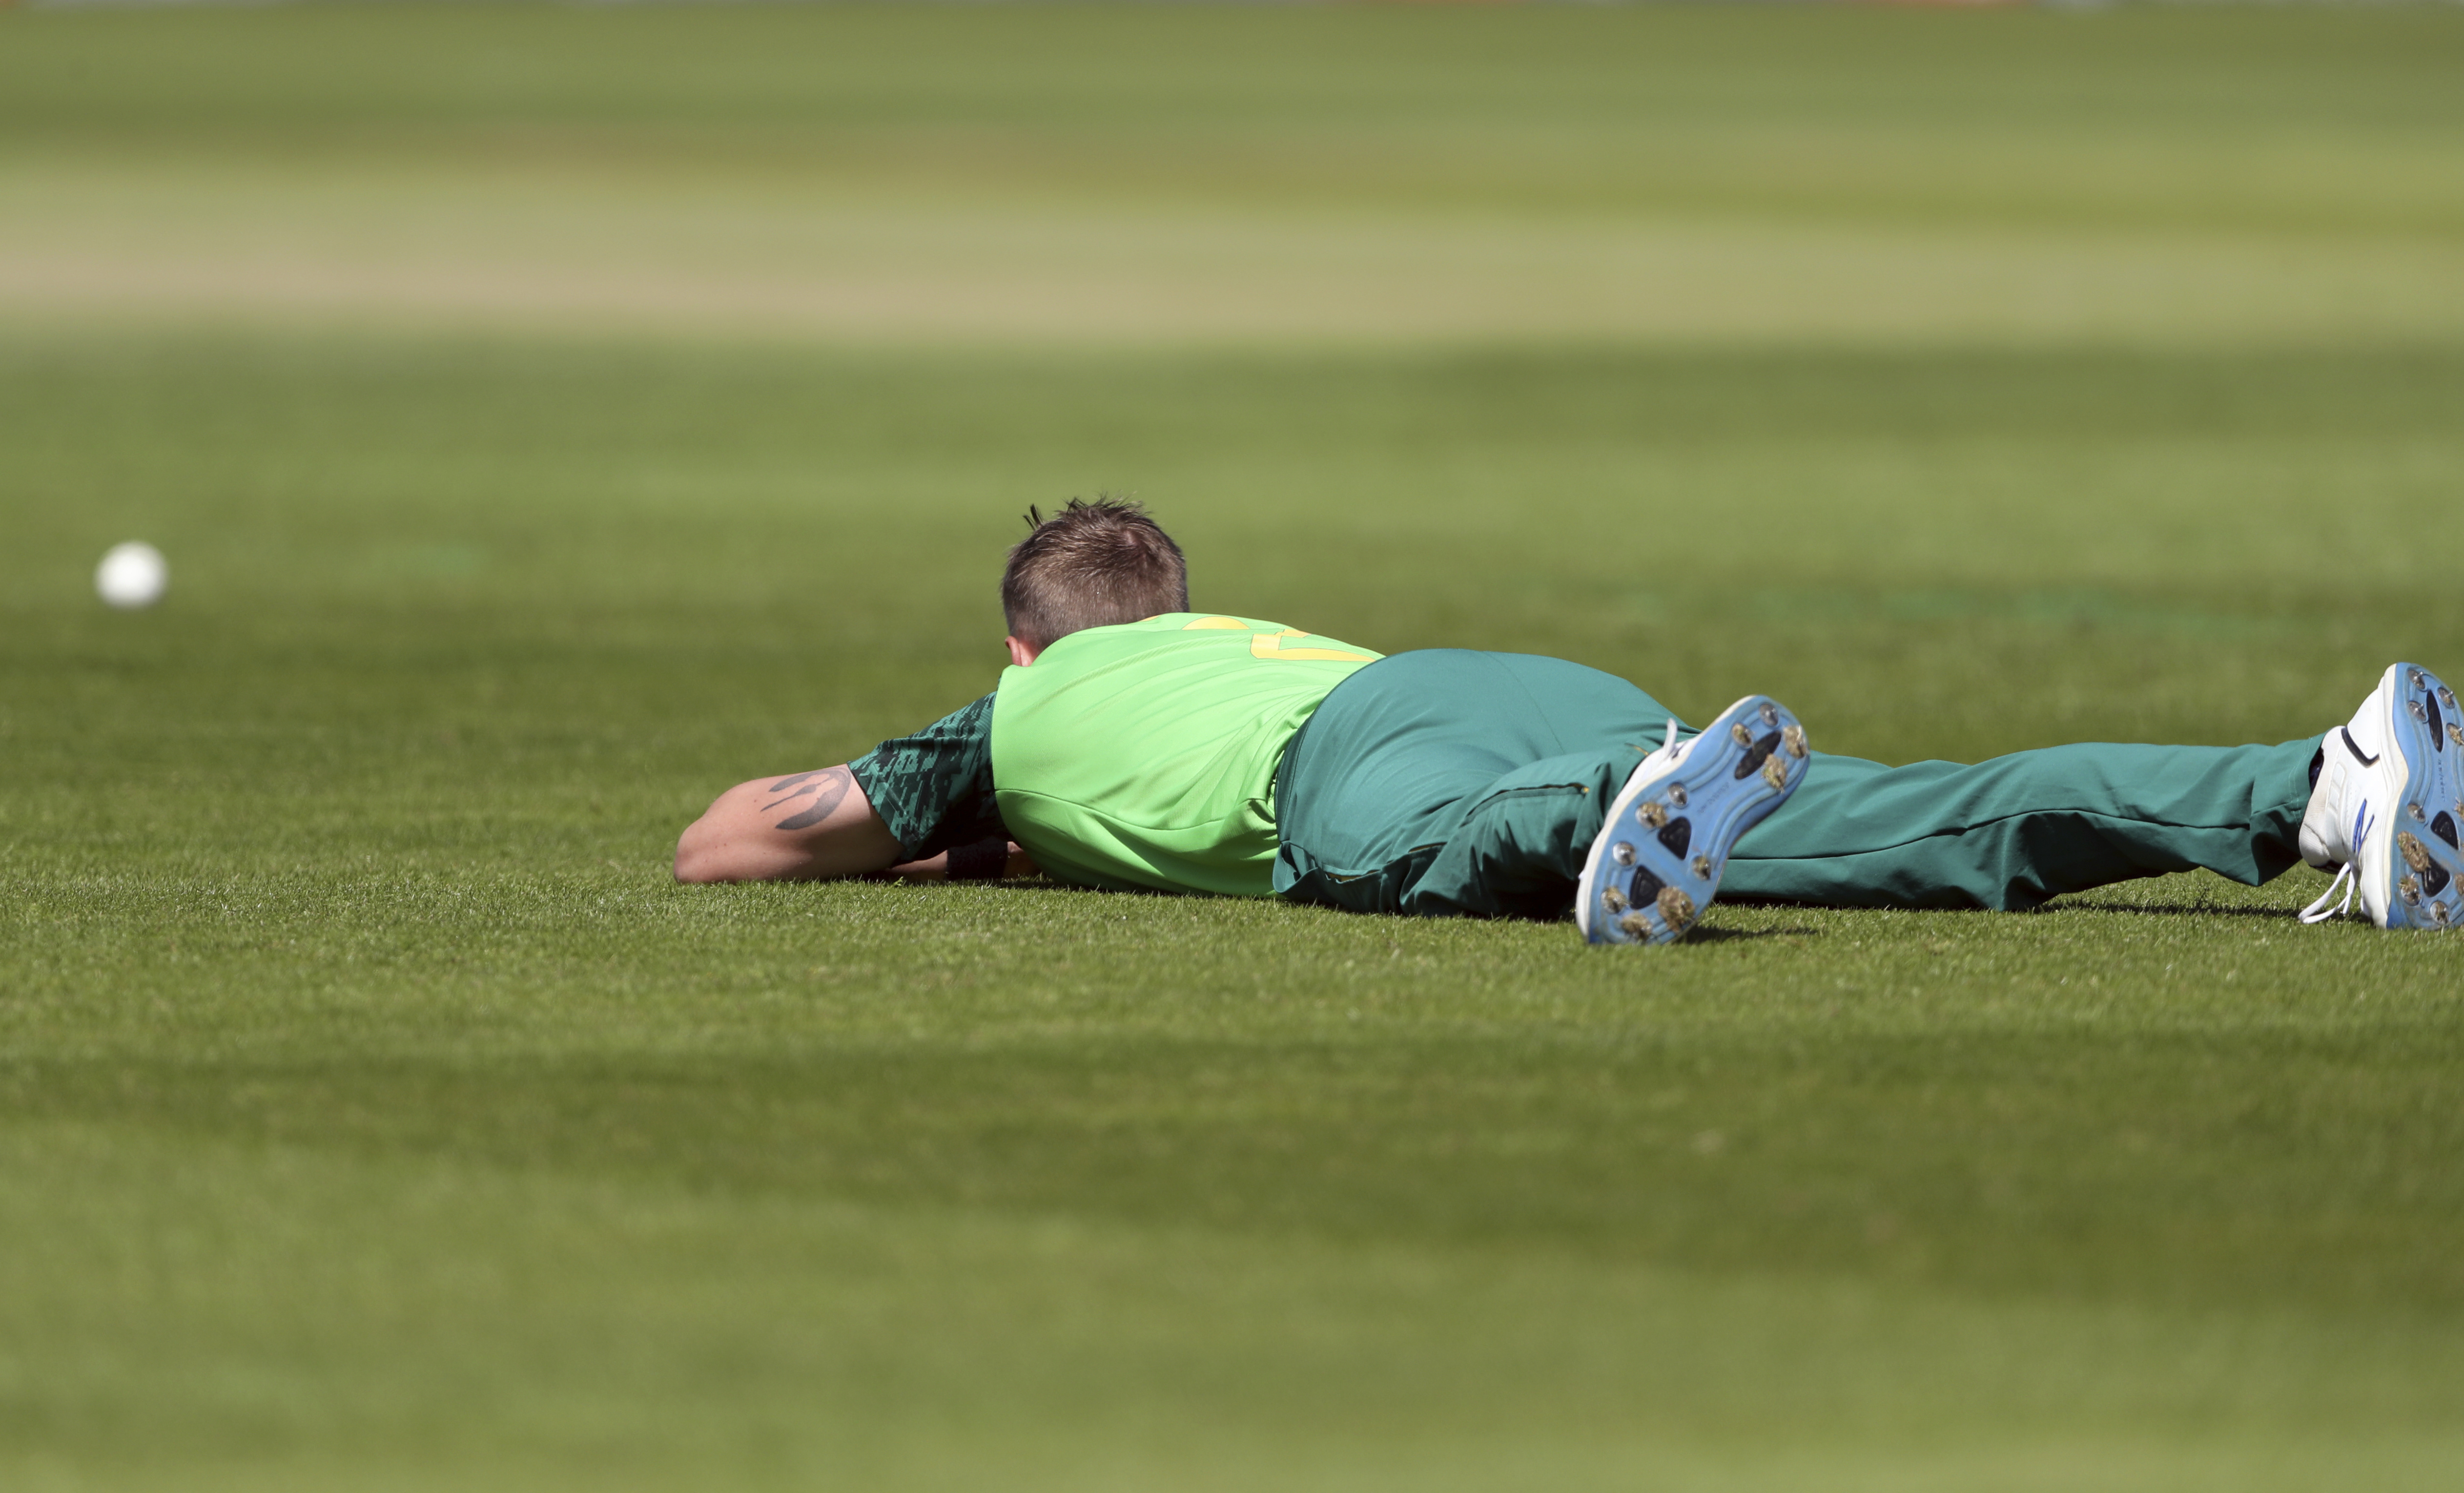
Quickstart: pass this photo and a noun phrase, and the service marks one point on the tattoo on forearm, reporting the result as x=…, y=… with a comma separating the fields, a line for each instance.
x=828, y=790
x=805, y=792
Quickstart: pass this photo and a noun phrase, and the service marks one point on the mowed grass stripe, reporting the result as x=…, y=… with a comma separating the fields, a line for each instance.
x=222, y=1299
x=1084, y=175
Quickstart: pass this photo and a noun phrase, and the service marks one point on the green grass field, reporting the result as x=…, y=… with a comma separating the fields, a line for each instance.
x=555, y=415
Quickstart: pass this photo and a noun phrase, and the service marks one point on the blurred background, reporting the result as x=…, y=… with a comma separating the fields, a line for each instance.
x=552, y=414
x=1320, y=179
x=2106, y=336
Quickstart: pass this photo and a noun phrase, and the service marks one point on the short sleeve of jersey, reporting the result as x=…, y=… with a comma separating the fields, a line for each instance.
x=934, y=789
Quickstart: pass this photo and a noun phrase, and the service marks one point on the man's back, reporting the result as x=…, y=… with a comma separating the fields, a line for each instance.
x=1144, y=754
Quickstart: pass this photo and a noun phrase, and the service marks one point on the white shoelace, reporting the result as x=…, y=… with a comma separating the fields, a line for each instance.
x=1666, y=751
x=2318, y=912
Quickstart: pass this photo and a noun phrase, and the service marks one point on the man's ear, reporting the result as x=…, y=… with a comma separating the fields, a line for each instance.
x=1019, y=653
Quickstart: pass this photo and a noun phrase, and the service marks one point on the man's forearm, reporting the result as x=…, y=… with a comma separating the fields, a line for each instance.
x=803, y=826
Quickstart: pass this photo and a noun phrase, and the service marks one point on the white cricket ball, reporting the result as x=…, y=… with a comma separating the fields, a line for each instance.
x=133, y=575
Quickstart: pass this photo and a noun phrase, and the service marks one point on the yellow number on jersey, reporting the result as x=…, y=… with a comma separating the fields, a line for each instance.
x=1271, y=645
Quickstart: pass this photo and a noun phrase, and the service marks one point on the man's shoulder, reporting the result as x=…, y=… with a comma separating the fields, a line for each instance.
x=970, y=723
x=934, y=788
x=1195, y=629
x=1164, y=626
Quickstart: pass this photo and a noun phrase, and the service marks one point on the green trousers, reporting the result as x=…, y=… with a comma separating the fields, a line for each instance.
x=1448, y=782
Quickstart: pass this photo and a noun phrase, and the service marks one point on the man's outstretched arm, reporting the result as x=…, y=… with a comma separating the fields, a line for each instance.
x=813, y=827
x=804, y=826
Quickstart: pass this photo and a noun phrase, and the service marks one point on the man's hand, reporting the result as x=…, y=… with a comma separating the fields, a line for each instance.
x=804, y=826
x=990, y=860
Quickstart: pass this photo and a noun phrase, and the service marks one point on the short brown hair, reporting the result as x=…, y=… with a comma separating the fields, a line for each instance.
x=1090, y=565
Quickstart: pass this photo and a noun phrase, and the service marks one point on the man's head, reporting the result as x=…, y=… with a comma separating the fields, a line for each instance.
x=1089, y=565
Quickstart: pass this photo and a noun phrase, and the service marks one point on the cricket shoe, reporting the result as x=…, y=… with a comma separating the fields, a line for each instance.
x=1656, y=862
x=2386, y=811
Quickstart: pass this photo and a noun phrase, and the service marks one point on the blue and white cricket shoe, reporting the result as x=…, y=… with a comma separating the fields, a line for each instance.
x=2389, y=799
x=1656, y=863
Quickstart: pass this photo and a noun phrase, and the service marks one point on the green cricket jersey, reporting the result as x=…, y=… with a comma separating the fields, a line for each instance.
x=1144, y=754
x=1138, y=756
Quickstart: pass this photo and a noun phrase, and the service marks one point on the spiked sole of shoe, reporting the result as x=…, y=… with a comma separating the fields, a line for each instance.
x=1657, y=861
x=2427, y=869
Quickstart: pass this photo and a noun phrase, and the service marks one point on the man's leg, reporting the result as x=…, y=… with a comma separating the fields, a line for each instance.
x=2011, y=833
x=1458, y=783
x=1450, y=782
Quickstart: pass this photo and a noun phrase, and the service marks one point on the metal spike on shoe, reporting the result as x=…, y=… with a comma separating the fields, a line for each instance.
x=1676, y=909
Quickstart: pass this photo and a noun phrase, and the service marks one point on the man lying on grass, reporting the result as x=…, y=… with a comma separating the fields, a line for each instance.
x=1134, y=743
